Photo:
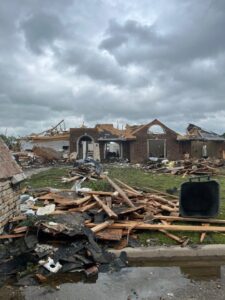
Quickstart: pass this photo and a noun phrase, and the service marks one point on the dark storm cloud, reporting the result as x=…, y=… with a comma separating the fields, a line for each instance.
x=111, y=60
x=41, y=30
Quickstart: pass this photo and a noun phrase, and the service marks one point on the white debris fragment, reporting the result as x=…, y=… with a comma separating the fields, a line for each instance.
x=50, y=265
x=46, y=210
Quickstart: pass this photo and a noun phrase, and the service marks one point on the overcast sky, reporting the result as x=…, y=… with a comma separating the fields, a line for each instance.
x=111, y=61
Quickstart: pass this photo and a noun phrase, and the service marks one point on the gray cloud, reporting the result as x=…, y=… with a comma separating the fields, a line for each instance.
x=103, y=61
x=41, y=30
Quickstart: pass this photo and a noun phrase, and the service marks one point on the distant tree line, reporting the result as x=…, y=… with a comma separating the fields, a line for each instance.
x=10, y=141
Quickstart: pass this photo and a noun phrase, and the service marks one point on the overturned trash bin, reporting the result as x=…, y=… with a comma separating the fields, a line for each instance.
x=200, y=197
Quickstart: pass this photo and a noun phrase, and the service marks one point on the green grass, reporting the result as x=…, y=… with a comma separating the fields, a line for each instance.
x=138, y=178
x=49, y=178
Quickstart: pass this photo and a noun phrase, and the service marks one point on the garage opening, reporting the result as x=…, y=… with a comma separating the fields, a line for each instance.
x=157, y=148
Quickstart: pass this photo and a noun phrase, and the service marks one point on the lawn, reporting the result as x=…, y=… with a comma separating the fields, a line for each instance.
x=138, y=178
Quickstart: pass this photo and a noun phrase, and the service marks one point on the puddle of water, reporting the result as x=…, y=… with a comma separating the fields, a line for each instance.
x=167, y=280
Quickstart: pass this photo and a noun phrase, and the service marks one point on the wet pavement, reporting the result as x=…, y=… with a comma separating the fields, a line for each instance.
x=198, y=280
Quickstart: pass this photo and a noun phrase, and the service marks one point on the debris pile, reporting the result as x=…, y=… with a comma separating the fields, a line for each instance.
x=68, y=230
x=39, y=157
x=185, y=167
x=27, y=159
x=47, y=154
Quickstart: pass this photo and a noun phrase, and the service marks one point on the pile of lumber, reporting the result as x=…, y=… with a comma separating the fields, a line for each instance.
x=117, y=214
x=186, y=167
x=72, y=230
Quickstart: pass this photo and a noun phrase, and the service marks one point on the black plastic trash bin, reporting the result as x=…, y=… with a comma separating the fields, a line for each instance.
x=200, y=197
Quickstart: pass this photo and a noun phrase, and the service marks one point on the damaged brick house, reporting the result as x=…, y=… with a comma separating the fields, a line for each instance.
x=197, y=141
x=56, y=138
x=135, y=143
x=10, y=177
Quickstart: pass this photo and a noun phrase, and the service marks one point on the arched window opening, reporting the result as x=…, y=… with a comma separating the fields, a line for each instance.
x=156, y=129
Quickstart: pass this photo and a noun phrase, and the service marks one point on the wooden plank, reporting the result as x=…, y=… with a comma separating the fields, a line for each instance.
x=20, y=229
x=101, y=226
x=187, y=219
x=82, y=200
x=167, y=208
x=11, y=236
x=71, y=202
x=128, y=187
x=163, y=200
x=107, y=209
x=99, y=193
x=59, y=212
x=160, y=192
x=130, y=210
x=120, y=191
x=144, y=226
x=71, y=179
x=203, y=234
x=110, y=234
x=171, y=235
x=130, y=193
x=86, y=207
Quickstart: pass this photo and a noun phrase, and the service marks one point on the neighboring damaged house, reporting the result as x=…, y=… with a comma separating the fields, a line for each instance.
x=135, y=143
x=56, y=138
x=199, y=143
x=154, y=140
x=10, y=177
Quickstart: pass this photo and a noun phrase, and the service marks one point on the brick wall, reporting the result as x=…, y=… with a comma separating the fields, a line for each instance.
x=139, y=147
x=76, y=133
x=9, y=202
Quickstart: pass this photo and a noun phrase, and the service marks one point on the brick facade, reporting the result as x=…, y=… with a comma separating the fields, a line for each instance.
x=76, y=133
x=10, y=177
x=139, y=149
x=9, y=202
x=136, y=148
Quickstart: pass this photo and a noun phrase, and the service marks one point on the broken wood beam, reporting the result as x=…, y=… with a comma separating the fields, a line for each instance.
x=148, y=189
x=11, y=236
x=101, y=226
x=110, y=234
x=163, y=200
x=203, y=234
x=189, y=219
x=131, y=210
x=85, y=208
x=107, y=209
x=21, y=229
x=172, y=236
x=100, y=193
x=82, y=200
x=120, y=191
x=128, y=187
x=144, y=226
